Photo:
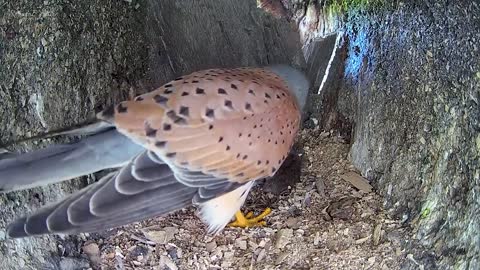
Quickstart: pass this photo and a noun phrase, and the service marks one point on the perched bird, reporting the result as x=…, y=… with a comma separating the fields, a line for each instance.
x=200, y=139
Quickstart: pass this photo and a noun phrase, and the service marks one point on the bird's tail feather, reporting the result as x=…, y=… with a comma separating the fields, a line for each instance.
x=103, y=148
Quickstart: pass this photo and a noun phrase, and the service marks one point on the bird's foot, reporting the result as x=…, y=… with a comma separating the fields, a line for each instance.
x=249, y=220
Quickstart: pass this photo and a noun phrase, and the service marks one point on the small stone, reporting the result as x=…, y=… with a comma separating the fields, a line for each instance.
x=160, y=236
x=357, y=181
x=211, y=246
x=377, y=233
x=242, y=244
x=110, y=256
x=284, y=237
x=261, y=255
x=293, y=223
x=2, y=235
x=166, y=261
x=91, y=249
x=21, y=263
x=316, y=239
x=262, y=243
x=93, y=253
x=68, y=263
x=371, y=261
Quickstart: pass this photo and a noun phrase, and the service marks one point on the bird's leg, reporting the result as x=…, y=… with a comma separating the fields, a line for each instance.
x=249, y=220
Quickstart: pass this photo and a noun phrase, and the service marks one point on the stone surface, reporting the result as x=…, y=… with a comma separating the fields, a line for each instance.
x=63, y=60
x=409, y=92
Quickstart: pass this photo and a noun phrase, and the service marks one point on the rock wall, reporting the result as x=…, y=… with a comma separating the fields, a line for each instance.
x=410, y=90
x=61, y=60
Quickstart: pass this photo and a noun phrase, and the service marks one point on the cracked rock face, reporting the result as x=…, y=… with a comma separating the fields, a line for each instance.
x=409, y=87
x=62, y=61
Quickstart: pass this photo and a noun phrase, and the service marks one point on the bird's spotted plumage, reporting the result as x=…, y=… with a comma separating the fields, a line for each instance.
x=200, y=139
x=233, y=123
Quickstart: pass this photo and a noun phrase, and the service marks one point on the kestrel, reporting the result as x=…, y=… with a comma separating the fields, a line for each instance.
x=201, y=139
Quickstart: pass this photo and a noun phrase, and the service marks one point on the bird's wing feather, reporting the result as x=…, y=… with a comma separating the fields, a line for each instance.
x=144, y=188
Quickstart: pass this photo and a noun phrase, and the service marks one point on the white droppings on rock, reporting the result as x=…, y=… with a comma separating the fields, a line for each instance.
x=36, y=100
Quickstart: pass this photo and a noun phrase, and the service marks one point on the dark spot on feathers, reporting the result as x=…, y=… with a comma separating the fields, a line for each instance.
x=278, y=97
x=251, y=92
x=160, y=144
x=184, y=94
x=210, y=113
x=175, y=118
x=121, y=108
x=184, y=111
x=171, y=155
x=168, y=85
x=267, y=95
x=240, y=134
x=195, y=81
x=167, y=127
x=228, y=104
x=200, y=91
x=234, y=86
x=179, y=79
x=108, y=112
x=273, y=169
x=259, y=162
x=168, y=91
x=149, y=131
x=160, y=99
x=248, y=107
x=245, y=157
x=222, y=91
x=267, y=162
x=249, y=135
x=220, y=139
x=210, y=127
x=283, y=94
x=250, y=143
x=228, y=148
x=238, y=155
x=138, y=98
x=240, y=174
x=255, y=126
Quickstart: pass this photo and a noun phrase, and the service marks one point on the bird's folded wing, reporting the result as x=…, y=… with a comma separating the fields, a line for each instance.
x=144, y=188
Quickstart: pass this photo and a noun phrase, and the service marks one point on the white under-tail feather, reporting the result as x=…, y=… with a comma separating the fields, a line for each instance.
x=218, y=212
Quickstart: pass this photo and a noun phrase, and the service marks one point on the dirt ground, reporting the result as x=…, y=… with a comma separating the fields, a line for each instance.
x=322, y=222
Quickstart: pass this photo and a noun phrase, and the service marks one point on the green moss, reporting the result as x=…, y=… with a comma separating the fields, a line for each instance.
x=343, y=6
x=425, y=213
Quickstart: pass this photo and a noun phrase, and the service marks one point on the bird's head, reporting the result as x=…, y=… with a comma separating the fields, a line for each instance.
x=296, y=81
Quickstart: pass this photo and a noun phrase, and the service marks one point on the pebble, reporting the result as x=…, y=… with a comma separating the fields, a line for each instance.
x=261, y=255
x=242, y=244
x=211, y=246
x=283, y=238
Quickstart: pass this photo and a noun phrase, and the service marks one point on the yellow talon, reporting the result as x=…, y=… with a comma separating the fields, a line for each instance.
x=249, y=220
